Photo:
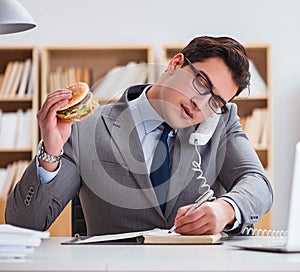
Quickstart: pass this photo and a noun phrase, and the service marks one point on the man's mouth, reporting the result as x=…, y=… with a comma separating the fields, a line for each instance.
x=187, y=112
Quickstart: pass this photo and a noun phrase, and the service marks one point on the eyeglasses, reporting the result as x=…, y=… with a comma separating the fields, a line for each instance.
x=203, y=86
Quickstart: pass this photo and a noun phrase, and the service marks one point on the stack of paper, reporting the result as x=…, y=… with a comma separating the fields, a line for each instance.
x=16, y=242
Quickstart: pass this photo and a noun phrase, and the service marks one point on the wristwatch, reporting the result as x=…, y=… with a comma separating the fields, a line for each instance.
x=43, y=155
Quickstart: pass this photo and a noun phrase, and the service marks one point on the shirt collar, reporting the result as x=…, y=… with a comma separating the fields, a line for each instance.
x=148, y=116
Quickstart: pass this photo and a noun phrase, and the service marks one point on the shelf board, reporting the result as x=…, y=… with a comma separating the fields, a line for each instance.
x=12, y=104
x=16, y=98
x=15, y=150
x=251, y=98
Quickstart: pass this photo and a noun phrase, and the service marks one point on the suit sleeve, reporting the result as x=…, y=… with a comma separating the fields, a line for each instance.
x=241, y=172
x=35, y=205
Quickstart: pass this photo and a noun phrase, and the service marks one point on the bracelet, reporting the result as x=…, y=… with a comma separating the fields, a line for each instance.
x=43, y=155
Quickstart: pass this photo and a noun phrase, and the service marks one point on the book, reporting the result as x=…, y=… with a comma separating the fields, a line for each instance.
x=24, y=130
x=6, y=78
x=8, y=130
x=256, y=128
x=24, y=78
x=155, y=236
x=16, y=80
x=12, y=78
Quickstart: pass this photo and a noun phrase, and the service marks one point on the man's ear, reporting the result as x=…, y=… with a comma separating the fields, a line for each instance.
x=176, y=62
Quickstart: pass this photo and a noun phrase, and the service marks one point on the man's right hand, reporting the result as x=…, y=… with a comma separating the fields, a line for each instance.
x=54, y=131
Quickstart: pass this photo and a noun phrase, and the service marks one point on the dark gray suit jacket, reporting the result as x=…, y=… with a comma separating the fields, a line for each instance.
x=104, y=162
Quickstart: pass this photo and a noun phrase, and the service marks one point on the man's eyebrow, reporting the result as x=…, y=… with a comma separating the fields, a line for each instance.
x=206, y=77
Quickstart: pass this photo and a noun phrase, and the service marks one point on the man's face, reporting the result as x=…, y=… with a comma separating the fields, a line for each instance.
x=180, y=103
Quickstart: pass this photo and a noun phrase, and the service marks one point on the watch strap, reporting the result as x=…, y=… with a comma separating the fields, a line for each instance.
x=43, y=155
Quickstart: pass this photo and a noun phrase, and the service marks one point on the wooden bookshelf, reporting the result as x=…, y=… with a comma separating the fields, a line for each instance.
x=97, y=59
x=11, y=103
x=260, y=56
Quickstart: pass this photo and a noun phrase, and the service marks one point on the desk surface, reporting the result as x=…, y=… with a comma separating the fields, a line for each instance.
x=52, y=256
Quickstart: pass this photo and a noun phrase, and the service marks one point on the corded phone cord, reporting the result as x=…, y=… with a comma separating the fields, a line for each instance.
x=197, y=168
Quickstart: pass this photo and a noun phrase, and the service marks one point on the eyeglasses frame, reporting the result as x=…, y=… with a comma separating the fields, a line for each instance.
x=209, y=91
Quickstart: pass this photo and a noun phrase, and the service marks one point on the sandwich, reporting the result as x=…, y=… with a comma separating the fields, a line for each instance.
x=80, y=106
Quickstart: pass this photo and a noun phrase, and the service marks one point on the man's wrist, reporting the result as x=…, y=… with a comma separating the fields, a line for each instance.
x=238, y=216
x=43, y=155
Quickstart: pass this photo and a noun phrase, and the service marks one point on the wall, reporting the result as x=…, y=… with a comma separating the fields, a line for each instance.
x=156, y=22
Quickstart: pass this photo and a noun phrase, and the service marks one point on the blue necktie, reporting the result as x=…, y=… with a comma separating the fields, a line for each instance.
x=159, y=173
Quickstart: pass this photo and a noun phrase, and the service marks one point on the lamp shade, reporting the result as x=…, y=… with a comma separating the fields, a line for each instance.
x=14, y=17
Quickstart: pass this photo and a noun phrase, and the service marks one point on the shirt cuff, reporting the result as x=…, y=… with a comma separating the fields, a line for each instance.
x=238, y=215
x=44, y=175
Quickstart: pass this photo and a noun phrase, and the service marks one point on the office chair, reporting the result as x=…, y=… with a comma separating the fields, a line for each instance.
x=78, y=221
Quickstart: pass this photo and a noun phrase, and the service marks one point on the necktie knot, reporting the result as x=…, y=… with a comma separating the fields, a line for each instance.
x=166, y=130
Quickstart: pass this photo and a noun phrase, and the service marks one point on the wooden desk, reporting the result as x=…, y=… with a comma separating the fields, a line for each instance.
x=52, y=256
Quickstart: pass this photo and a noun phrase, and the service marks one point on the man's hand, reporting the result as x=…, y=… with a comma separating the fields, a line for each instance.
x=54, y=132
x=209, y=218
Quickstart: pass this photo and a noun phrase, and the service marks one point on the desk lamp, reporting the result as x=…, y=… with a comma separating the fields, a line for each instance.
x=14, y=17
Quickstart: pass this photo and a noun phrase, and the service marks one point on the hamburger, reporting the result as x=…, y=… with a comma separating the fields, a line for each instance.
x=80, y=106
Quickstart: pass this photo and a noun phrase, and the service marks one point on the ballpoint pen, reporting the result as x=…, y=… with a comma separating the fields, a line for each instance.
x=208, y=195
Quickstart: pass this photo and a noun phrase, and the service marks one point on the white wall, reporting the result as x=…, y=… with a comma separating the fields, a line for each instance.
x=159, y=22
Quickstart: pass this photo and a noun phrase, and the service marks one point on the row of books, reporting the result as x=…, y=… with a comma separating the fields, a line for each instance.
x=255, y=126
x=17, y=242
x=110, y=87
x=16, y=81
x=10, y=176
x=16, y=129
x=62, y=77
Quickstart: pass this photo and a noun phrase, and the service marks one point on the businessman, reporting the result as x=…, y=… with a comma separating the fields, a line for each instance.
x=110, y=159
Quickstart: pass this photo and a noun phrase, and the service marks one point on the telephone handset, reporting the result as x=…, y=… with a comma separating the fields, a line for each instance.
x=205, y=130
x=200, y=137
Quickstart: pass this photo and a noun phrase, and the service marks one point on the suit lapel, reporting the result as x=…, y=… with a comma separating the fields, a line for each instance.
x=122, y=129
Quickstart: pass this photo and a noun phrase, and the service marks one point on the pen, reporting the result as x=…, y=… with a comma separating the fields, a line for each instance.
x=201, y=199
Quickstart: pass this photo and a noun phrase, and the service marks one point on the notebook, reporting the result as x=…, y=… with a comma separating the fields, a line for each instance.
x=278, y=242
x=155, y=236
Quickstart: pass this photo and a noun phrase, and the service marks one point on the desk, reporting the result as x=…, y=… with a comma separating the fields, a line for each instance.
x=52, y=256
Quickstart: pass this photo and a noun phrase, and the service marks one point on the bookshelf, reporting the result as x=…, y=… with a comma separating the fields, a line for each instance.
x=12, y=101
x=94, y=61
x=98, y=61
x=259, y=54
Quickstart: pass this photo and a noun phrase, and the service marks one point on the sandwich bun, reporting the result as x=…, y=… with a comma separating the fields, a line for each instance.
x=80, y=106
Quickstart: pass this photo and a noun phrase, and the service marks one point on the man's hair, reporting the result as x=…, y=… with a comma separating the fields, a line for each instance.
x=229, y=50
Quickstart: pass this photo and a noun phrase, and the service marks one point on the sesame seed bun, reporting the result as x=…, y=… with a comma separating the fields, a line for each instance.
x=79, y=92
x=80, y=106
